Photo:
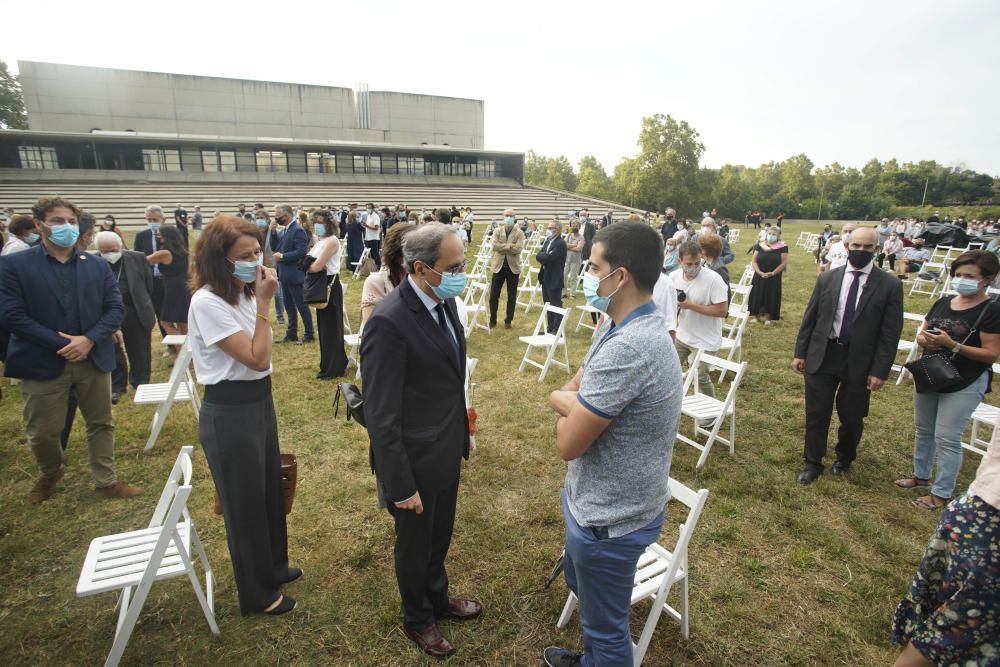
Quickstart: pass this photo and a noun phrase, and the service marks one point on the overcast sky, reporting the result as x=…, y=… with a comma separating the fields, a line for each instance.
x=760, y=81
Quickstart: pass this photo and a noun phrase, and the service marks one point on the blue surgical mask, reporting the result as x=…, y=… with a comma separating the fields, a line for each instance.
x=548, y=233
x=508, y=220
x=31, y=239
x=64, y=235
x=590, y=285
x=771, y=238
x=965, y=286
x=261, y=223
x=247, y=271
x=154, y=226
x=320, y=229
x=451, y=285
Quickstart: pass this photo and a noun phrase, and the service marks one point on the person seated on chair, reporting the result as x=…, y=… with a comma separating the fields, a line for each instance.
x=913, y=259
x=617, y=423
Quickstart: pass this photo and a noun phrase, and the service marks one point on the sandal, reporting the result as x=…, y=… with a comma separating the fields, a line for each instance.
x=911, y=482
x=930, y=503
x=286, y=605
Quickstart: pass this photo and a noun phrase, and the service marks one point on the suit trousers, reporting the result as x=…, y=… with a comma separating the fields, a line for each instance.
x=46, y=404
x=422, y=542
x=157, y=297
x=138, y=348
x=295, y=304
x=239, y=432
x=504, y=275
x=552, y=297
x=827, y=387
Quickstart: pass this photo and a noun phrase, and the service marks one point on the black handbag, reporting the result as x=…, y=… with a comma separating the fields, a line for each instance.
x=316, y=289
x=936, y=372
x=354, y=401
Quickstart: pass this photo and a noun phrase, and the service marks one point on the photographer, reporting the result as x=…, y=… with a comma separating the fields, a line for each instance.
x=702, y=302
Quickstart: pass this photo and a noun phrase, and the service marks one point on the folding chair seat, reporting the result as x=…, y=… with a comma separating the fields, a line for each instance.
x=732, y=344
x=707, y=412
x=353, y=344
x=658, y=570
x=908, y=346
x=929, y=285
x=132, y=561
x=740, y=296
x=586, y=321
x=180, y=387
x=548, y=342
x=985, y=415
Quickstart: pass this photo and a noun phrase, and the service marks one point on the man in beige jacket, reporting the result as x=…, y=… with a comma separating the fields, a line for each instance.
x=508, y=242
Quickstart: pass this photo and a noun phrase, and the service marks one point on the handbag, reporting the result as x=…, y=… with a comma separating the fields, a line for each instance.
x=367, y=268
x=316, y=289
x=354, y=401
x=936, y=372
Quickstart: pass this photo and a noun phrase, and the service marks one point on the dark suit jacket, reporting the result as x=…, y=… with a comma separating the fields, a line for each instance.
x=413, y=379
x=293, y=245
x=139, y=283
x=143, y=242
x=31, y=311
x=878, y=322
x=552, y=257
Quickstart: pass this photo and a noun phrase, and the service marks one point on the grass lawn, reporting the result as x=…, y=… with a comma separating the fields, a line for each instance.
x=780, y=574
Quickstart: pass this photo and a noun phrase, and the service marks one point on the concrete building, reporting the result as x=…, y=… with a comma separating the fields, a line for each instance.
x=122, y=125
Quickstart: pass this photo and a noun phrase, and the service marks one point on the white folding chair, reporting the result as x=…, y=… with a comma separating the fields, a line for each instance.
x=476, y=308
x=740, y=296
x=531, y=288
x=586, y=321
x=985, y=415
x=131, y=562
x=546, y=341
x=657, y=571
x=180, y=387
x=707, y=412
x=732, y=344
x=909, y=346
x=929, y=286
x=365, y=254
x=802, y=240
x=734, y=236
x=578, y=283
x=747, y=277
x=353, y=344
x=347, y=320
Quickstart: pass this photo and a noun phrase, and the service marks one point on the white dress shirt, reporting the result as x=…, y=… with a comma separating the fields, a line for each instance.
x=430, y=305
x=845, y=287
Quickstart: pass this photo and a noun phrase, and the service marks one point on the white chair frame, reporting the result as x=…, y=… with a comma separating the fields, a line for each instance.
x=909, y=346
x=477, y=312
x=365, y=254
x=531, y=287
x=702, y=408
x=548, y=342
x=180, y=387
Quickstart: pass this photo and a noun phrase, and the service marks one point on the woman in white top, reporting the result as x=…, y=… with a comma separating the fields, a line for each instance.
x=329, y=318
x=21, y=235
x=231, y=340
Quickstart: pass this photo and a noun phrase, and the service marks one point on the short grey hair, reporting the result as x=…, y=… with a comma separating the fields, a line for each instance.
x=424, y=244
x=287, y=209
x=708, y=221
x=110, y=237
x=153, y=208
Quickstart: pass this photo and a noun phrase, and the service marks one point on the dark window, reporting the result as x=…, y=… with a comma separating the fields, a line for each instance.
x=367, y=163
x=38, y=157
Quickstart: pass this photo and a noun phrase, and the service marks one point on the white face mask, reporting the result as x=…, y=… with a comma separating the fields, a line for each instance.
x=112, y=257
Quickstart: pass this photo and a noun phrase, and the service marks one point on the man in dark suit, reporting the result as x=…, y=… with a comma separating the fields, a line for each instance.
x=608, y=219
x=552, y=257
x=669, y=227
x=845, y=349
x=292, y=246
x=145, y=242
x=62, y=307
x=135, y=282
x=413, y=368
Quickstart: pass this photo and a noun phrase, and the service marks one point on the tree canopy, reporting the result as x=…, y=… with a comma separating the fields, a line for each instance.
x=12, y=113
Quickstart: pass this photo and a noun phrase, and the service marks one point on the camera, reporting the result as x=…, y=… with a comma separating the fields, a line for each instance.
x=681, y=296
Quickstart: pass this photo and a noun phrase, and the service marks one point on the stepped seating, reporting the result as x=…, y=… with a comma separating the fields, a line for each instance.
x=127, y=201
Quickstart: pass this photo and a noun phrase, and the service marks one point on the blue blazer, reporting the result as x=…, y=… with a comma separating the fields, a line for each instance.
x=292, y=245
x=30, y=310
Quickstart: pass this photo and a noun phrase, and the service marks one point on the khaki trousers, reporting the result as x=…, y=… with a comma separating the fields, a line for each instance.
x=685, y=352
x=45, y=403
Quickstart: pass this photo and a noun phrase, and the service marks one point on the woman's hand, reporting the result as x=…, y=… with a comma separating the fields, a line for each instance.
x=936, y=339
x=266, y=284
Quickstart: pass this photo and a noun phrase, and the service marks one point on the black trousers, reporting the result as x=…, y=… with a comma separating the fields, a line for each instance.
x=295, y=305
x=158, y=302
x=330, y=327
x=136, y=370
x=827, y=387
x=892, y=260
x=504, y=275
x=239, y=432
x=552, y=297
x=374, y=251
x=422, y=542
x=119, y=374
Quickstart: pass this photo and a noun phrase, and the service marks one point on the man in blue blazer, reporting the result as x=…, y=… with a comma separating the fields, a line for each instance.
x=292, y=247
x=62, y=307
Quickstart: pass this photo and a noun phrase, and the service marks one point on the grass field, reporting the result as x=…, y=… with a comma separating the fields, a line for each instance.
x=780, y=574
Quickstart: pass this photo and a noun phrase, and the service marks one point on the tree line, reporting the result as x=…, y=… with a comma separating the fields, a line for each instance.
x=667, y=172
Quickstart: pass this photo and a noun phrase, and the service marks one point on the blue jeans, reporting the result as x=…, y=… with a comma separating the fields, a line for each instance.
x=279, y=304
x=601, y=572
x=940, y=421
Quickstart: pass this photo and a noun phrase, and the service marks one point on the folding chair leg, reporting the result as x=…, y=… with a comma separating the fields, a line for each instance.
x=685, y=629
x=567, y=611
x=127, y=623
x=545, y=367
x=193, y=577
x=159, y=417
x=732, y=433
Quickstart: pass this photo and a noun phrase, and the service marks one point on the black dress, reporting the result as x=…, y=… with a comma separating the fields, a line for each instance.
x=176, y=298
x=330, y=325
x=765, y=293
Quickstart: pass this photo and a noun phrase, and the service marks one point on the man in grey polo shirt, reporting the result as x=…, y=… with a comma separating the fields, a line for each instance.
x=617, y=423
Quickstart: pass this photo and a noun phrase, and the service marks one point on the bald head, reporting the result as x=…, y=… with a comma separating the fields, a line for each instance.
x=863, y=236
x=847, y=228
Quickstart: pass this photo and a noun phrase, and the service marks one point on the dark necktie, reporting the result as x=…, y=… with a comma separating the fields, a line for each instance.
x=443, y=322
x=847, y=323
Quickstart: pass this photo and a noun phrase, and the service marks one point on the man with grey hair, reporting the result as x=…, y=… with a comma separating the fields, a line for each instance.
x=413, y=368
x=135, y=282
x=146, y=243
x=508, y=242
x=669, y=227
x=708, y=226
x=836, y=254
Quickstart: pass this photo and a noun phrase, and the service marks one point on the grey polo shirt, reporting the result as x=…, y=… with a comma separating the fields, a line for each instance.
x=632, y=376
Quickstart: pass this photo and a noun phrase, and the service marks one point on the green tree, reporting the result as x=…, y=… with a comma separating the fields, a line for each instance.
x=535, y=168
x=733, y=191
x=669, y=151
x=559, y=174
x=592, y=180
x=12, y=113
x=625, y=181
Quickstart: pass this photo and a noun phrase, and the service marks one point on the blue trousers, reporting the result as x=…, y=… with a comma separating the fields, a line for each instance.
x=295, y=304
x=601, y=572
x=279, y=304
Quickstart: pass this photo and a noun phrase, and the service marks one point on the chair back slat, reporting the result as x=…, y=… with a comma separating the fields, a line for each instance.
x=180, y=476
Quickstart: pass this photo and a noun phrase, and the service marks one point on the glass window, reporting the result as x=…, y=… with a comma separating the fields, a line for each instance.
x=209, y=160
x=161, y=159
x=227, y=161
x=367, y=163
x=412, y=165
x=272, y=161
x=321, y=163
x=218, y=160
x=486, y=168
x=38, y=157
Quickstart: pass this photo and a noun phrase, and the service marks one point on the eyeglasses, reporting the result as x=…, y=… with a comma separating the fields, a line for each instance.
x=451, y=270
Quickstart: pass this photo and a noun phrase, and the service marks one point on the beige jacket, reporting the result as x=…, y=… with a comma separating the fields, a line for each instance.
x=507, y=245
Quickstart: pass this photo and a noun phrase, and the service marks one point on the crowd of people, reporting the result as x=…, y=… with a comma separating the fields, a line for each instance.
x=660, y=290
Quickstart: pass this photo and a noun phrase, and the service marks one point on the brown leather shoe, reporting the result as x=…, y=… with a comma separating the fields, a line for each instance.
x=462, y=610
x=506, y=325
x=118, y=490
x=43, y=488
x=431, y=641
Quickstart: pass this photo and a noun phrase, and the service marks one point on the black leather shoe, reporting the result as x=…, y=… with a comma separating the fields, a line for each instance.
x=308, y=339
x=286, y=339
x=115, y=397
x=840, y=468
x=808, y=476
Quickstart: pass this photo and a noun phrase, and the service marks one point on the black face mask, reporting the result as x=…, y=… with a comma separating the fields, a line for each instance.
x=859, y=259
